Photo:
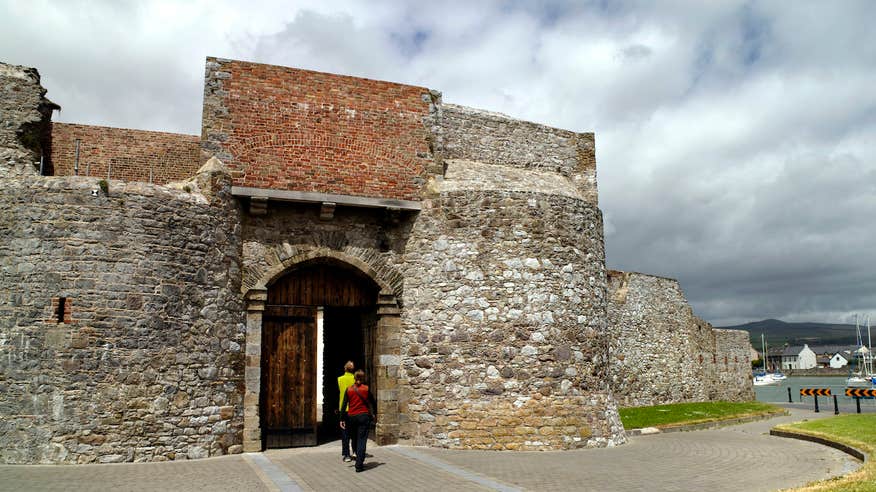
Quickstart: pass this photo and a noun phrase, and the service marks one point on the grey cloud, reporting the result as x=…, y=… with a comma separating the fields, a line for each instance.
x=735, y=140
x=636, y=52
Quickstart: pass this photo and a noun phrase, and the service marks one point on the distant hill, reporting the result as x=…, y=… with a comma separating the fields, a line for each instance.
x=779, y=333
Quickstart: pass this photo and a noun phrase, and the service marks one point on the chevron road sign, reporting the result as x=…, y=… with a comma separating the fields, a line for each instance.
x=861, y=392
x=814, y=391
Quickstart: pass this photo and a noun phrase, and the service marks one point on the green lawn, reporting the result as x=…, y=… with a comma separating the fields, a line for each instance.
x=691, y=413
x=858, y=431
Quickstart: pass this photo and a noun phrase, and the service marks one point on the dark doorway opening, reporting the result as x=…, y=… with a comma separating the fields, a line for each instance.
x=318, y=316
x=347, y=336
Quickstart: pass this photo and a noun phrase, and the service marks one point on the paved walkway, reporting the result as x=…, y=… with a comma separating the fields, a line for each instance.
x=741, y=457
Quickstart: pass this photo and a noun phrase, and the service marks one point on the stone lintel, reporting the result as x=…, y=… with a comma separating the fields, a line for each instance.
x=313, y=197
x=255, y=295
x=255, y=304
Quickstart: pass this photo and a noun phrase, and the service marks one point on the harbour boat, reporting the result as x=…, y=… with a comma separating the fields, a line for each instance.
x=764, y=378
x=864, y=376
x=858, y=381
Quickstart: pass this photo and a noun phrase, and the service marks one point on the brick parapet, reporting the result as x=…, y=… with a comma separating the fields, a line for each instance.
x=124, y=154
x=291, y=129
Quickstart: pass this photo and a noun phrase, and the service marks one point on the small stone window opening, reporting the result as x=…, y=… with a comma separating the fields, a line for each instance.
x=63, y=312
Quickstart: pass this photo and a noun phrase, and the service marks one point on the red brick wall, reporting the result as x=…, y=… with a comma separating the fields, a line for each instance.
x=290, y=129
x=127, y=154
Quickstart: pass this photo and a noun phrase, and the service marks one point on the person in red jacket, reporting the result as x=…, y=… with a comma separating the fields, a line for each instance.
x=357, y=410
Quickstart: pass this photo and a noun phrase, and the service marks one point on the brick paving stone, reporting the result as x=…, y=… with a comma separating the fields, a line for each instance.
x=741, y=457
x=215, y=474
x=322, y=469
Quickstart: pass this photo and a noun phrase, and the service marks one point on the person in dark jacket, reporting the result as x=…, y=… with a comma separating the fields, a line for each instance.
x=357, y=411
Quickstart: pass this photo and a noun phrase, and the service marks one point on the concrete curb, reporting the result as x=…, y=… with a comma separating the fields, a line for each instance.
x=705, y=425
x=854, y=452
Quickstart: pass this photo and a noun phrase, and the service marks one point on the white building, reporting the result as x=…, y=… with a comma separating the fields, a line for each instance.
x=838, y=361
x=798, y=358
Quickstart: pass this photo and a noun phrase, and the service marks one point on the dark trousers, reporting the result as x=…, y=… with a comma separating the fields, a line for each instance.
x=359, y=426
x=347, y=435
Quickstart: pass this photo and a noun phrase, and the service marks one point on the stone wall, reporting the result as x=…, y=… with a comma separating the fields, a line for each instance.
x=25, y=119
x=732, y=380
x=124, y=154
x=483, y=136
x=662, y=353
x=504, y=343
x=289, y=129
x=367, y=240
x=130, y=313
x=145, y=361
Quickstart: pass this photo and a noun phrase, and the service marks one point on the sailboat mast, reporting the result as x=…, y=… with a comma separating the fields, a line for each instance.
x=858, y=332
x=763, y=347
x=869, y=350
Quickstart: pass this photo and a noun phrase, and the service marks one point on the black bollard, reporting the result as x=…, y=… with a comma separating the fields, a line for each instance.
x=858, y=403
x=835, y=406
x=789, y=395
x=816, y=403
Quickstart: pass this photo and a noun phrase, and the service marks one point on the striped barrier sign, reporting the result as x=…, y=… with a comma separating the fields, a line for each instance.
x=814, y=391
x=861, y=392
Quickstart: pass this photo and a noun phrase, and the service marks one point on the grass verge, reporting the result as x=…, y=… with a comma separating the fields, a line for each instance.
x=677, y=414
x=858, y=431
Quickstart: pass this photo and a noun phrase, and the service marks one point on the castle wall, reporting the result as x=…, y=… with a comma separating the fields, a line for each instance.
x=662, y=353
x=733, y=373
x=503, y=335
x=25, y=119
x=504, y=343
x=145, y=364
x=366, y=239
x=483, y=136
x=124, y=154
x=290, y=129
x=131, y=327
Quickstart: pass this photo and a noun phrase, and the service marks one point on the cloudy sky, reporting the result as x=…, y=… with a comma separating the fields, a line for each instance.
x=736, y=141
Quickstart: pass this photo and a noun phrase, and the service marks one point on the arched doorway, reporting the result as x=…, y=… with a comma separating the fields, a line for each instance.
x=318, y=315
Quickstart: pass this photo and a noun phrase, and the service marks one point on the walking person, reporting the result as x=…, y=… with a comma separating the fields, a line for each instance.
x=345, y=382
x=357, y=410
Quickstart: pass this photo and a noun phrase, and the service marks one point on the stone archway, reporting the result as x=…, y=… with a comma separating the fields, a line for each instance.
x=387, y=356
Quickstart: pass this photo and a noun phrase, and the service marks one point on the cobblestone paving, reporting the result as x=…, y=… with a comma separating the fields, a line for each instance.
x=733, y=458
x=215, y=474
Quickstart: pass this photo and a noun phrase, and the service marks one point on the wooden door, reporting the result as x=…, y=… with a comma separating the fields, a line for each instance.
x=289, y=378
